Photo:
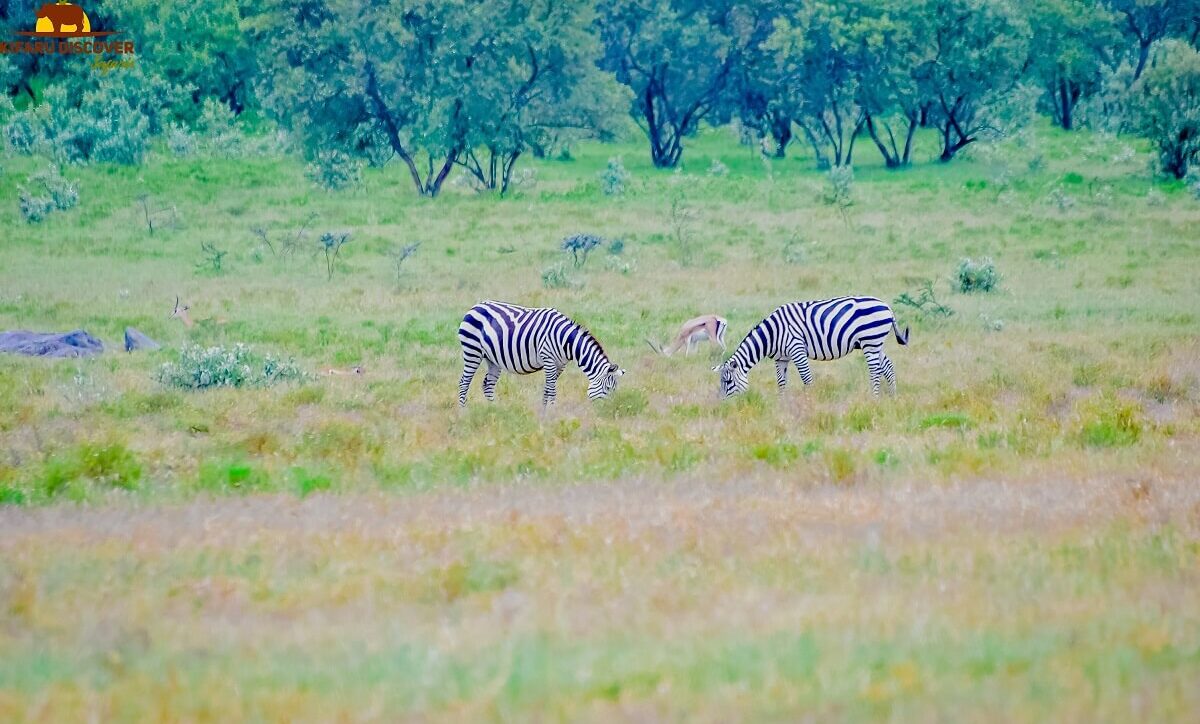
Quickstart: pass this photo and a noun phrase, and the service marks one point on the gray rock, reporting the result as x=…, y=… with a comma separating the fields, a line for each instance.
x=49, y=344
x=135, y=340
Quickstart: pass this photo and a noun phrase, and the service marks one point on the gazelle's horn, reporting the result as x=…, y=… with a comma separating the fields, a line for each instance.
x=654, y=346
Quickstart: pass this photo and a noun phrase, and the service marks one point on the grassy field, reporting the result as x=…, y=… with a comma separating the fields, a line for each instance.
x=1015, y=536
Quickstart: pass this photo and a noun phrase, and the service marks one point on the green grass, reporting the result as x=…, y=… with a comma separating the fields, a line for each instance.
x=1014, y=534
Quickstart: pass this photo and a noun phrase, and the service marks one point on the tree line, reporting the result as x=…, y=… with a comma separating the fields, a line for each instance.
x=440, y=85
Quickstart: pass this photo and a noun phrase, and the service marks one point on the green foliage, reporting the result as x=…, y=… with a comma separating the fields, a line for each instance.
x=108, y=464
x=335, y=170
x=1109, y=422
x=331, y=244
x=202, y=368
x=976, y=275
x=614, y=179
x=1166, y=106
x=224, y=477
x=923, y=300
x=839, y=190
x=579, y=246
x=308, y=483
x=677, y=57
x=556, y=276
x=438, y=85
x=44, y=193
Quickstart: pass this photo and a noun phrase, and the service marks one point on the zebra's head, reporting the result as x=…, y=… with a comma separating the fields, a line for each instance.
x=603, y=384
x=733, y=378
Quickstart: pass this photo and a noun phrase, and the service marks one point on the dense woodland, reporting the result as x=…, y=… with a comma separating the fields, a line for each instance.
x=464, y=87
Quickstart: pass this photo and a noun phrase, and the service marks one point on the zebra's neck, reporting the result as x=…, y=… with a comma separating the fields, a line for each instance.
x=588, y=354
x=757, y=344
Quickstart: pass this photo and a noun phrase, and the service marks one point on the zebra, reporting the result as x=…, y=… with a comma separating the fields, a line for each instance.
x=821, y=330
x=523, y=340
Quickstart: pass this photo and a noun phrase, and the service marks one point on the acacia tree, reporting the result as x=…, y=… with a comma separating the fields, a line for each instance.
x=677, y=56
x=1071, y=41
x=752, y=93
x=1165, y=103
x=818, y=81
x=434, y=82
x=980, y=50
x=891, y=43
x=1145, y=22
x=544, y=86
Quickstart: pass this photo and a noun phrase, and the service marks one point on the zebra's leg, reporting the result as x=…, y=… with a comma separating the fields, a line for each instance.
x=781, y=366
x=889, y=372
x=471, y=360
x=799, y=354
x=875, y=358
x=489, y=381
x=551, y=391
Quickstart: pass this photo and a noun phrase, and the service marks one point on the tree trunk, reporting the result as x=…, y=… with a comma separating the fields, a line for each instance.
x=781, y=132
x=889, y=158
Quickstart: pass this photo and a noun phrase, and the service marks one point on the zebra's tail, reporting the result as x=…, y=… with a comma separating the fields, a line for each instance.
x=901, y=337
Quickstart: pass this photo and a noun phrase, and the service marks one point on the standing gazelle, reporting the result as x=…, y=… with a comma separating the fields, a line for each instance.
x=820, y=330
x=523, y=340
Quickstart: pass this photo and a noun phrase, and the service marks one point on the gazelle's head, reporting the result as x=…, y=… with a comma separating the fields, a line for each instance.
x=181, y=313
x=604, y=383
x=732, y=378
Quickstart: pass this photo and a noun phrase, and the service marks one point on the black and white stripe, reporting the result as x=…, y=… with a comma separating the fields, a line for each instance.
x=819, y=330
x=523, y=340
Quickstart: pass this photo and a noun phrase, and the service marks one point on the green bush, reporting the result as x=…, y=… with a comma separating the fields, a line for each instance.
x=44, y=193
x=1165, y=103
x=614, y=179
x=977, y=276
x=220, y=477
x=334, y=171
x=202, y=368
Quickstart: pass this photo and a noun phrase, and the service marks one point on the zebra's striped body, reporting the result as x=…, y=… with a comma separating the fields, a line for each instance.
x=523, y=340
x=821, y=330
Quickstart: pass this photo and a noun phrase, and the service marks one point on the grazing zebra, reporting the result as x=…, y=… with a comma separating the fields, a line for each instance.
x=524, y=340
x=821, y=330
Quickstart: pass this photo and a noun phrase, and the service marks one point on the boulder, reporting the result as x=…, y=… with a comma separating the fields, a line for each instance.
x=135, y=340
x=49, y=344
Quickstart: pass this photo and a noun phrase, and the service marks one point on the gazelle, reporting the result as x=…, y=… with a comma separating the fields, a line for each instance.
x=694, y=331
x=181, y=313
x=335, y=372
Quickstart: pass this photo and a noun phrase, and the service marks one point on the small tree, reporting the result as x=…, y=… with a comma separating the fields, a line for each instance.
x=1165, y=104
x=972, y=78
x=677, y=56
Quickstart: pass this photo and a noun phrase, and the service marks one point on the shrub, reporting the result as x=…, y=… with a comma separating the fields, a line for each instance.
x=46, y=192
x=34, y=209
x=1110, y=423
x=614, y=179
x=579, y=246
x=180, y=141
x=977, y=276
x=102, y=463
x=556, y=277
x=202, y=368
x=839, y=189
x=718, y=169
x=924, y=301
x=335, y=170
x=1165, y=103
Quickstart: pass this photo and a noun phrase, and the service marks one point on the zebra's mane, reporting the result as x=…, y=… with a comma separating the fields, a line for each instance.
x=586, y=334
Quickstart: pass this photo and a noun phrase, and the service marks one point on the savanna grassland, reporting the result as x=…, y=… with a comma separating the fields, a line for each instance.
x=1014, y=536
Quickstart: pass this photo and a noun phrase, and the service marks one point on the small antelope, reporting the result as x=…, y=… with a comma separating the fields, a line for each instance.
x=181, y=313
x=694, y=331
x=335, y=372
